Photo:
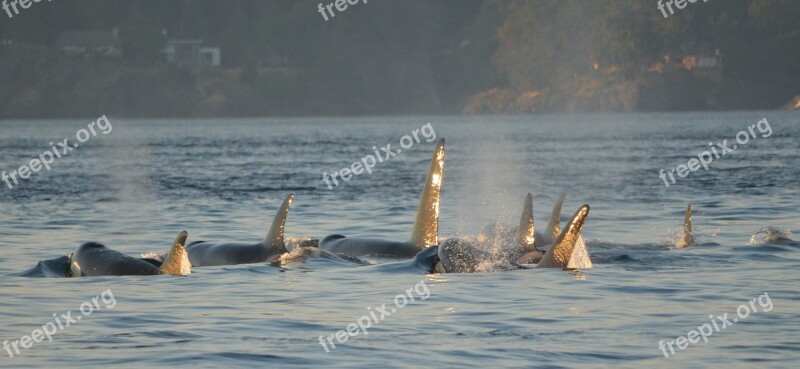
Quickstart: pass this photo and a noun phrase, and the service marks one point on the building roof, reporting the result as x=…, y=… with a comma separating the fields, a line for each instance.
x=91, y=39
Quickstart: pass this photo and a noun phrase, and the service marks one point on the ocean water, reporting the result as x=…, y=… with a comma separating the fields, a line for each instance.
x=136, y=187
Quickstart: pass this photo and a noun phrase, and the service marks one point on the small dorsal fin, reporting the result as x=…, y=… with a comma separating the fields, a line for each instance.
x=74, y=269
x=687, y=238
x=426, y=226
x=275, y=235
x=177, y=260
x=560, y=253
x=554, y=224
x=525, y=236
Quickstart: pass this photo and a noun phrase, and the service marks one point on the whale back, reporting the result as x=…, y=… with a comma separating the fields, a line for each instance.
x=95, y=259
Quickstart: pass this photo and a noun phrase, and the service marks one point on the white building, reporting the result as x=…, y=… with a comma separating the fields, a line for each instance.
x=192, y=54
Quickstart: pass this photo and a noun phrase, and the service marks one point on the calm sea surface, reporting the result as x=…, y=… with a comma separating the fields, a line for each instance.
x=135, y=188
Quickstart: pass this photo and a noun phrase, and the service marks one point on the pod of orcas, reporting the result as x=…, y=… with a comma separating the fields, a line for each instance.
x=522, y=246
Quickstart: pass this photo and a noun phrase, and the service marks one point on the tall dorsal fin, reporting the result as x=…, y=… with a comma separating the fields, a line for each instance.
x=426, y=227
x=687, y=238
x=525, y=236
x=560, y=253
x=554, y=224
x=275, y=235
x=177, y=260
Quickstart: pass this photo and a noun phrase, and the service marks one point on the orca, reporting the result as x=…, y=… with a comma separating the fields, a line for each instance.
x=526, y=242
x=561, y=253
x=203, y=253
x=50, y=268
x=309, y=250
x=425, y=262
x=517, y=244
x=426, y=226
x=580, y=255
x=553, y=228
x=687, y=238
x=525, y=239
x=458, y=255
x=95, y=259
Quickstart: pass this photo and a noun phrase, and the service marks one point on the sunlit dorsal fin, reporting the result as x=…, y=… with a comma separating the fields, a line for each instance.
x=426, y=226
x=554, y=224
x=560, y=253
x=275, y=235
x=177, y=260
x=687, y=238
x=525, y=236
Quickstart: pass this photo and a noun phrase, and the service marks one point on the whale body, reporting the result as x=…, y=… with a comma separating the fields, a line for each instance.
x=203, y=253
x=426, y=226
x=95, y=259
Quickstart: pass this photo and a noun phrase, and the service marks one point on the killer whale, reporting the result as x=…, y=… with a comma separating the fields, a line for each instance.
x=426, y=225
x=513, y=246
x=553, y=228
x=526, y=251
x=203, y=253
x=95, y=259
x=561, y=253
x=580, y=255
x=458, y=255
x=687, y=238
x=309, y=251
x=425, y=262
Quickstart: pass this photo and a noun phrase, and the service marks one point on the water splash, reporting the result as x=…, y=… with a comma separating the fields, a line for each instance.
x=770, y=235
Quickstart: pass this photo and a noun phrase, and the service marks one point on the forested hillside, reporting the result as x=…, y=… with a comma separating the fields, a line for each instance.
x=403, y=57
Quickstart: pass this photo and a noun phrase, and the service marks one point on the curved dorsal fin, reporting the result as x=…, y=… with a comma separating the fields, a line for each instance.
x=560, y=253
x=275, y=235
x=554, y=224
x=426, y=226
x=177, y=260
x=525, y=236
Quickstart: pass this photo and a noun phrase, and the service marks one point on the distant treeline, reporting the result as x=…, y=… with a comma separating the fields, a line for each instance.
x=280, y=57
